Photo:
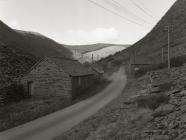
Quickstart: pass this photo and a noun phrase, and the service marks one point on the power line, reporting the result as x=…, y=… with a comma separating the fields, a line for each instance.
x=123, y=8
x=168, y=28
x=141, y=8
x=115, y=13
x=147, y=9
x=128, y=11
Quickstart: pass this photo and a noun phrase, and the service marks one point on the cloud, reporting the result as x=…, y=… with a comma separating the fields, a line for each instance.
x=98, y=35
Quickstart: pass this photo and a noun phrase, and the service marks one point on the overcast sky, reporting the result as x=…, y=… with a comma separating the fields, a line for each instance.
x=83, y=22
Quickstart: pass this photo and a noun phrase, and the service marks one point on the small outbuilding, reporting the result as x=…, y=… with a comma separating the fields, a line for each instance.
x=139, y=62
x=57, y=76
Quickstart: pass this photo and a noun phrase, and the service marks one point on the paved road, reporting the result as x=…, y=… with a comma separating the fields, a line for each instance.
x=52, y=125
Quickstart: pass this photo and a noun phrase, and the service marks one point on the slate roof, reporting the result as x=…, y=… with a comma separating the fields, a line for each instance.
x=71, y=66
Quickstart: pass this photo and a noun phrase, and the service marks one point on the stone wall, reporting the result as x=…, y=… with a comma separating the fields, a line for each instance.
x=136, y=67
x=48, y=79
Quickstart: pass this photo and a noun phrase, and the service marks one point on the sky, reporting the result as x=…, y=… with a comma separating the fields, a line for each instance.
x=77, y=22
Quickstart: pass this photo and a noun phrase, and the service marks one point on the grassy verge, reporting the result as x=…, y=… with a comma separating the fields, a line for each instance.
x=152, y=101
x=175, y=62
x=109, y=114
x=19, y=113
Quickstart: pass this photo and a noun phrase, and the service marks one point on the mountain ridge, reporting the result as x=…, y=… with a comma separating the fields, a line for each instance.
x=20, y=50
x=92, y=47
x=150, y=46
x=32, y=43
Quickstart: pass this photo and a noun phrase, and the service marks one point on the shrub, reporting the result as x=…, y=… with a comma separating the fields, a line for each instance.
x=13, y=93
x=140, y=73
x=117, y=62
x=1, y=100
x=166, y=86
x=175, y=62
x=178, y=61
x=152, y=101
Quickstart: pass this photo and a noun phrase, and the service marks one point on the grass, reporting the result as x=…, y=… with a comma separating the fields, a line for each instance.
x=18, y=113
x=24, y=111
x=96, y=88
x=166, y=86
x=112, y=113
x=175, y=62
x=152, y=101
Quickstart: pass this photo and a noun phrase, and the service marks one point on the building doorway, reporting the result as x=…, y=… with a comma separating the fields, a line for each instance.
x=30, y=88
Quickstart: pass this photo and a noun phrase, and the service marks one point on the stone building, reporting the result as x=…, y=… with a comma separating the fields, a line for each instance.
x=139, y=62
x=57, y=76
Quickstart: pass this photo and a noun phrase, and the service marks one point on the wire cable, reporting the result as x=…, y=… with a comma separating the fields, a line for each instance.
x=127, y=11
x=141, y=8
x=115, y=13
x=147, y=9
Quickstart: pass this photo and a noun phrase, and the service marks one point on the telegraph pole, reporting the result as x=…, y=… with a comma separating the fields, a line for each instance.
x=162, y=55
x=168, y=28
x=134, y=56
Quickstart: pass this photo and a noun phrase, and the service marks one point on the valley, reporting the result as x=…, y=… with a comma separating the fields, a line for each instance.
x=99, y=91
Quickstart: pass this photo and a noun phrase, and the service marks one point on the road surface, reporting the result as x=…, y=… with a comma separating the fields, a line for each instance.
x=52, y=125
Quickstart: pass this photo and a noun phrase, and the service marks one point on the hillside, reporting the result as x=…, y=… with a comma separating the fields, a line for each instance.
x=102, y=53
x=151, y=45
x=20, y=50
x=13, y=63
x=92, y=47
x=33, y=43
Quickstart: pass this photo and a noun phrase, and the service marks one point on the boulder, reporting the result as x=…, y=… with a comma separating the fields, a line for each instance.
x=155, y=90
x=181, y=137
x=183, y=109
x=172, y=92
x=183, y=102
x=174, y=101
x=160, y=137
x=163, y=110
x=181, y=94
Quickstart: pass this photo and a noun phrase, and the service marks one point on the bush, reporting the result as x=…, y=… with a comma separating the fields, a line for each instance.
x=13, y=93
x=175, y=62
x=117, y=62
x=166, y=86
x=152, y=101
x=143, y=71
x=178, y=61
x=140, y=73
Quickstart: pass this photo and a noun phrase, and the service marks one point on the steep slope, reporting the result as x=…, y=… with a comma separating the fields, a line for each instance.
x=33, y=43
x=13, y=64
x=20, y=50
x=151, y=45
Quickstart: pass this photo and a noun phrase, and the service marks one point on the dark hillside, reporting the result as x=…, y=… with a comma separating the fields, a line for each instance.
x=13, y=64
x=32, y=43
x=151, y=45
x=20, y=50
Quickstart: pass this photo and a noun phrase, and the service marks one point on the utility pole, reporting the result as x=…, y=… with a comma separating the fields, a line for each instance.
x=134, y=56
x=168, y=28
x=162, y=55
